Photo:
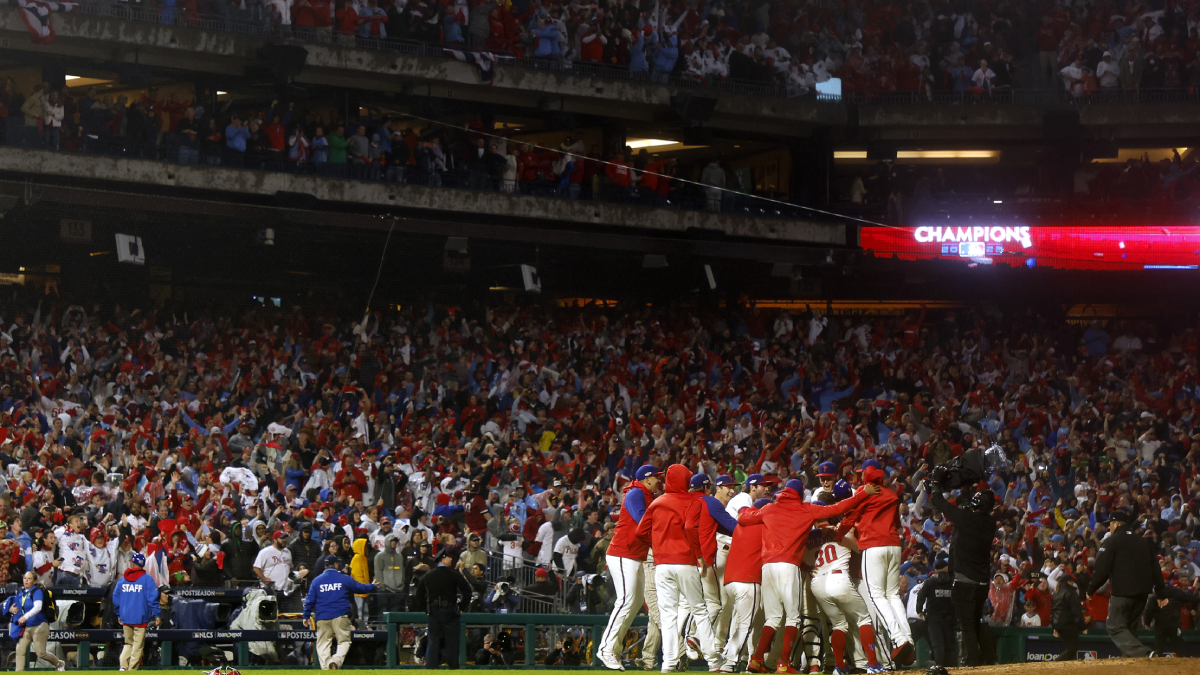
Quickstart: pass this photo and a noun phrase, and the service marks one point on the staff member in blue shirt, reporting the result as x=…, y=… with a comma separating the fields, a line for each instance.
x=135, y=595
x=328, y=606
x=28, y=624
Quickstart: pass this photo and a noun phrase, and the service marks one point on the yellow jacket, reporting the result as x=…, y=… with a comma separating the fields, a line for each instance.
x=359, y=570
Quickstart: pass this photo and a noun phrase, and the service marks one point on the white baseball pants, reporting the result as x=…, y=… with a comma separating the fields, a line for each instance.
x=680, y=594
x=781, y=594
x=841, y=602
x=745, y=600
x=881, y=572
x=654, y=620
x=627, y=577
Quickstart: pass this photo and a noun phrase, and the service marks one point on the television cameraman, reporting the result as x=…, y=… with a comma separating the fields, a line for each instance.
x=970, y=561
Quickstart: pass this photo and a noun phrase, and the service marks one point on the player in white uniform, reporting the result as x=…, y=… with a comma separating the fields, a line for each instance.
x=835, y=591
x=756, y=487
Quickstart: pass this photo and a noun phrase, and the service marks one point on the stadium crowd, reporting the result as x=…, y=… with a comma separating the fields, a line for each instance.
x=247, y=447
x=378, y=146
x=875, y=48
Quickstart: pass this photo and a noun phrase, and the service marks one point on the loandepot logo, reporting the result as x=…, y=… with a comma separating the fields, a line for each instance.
x=996, y=235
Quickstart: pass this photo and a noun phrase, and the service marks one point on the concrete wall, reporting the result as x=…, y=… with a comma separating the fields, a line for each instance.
x=472, y=205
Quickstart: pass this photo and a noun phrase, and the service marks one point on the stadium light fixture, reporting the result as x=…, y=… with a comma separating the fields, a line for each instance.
x=68, y=78
x=636, y=143
x=924, y=154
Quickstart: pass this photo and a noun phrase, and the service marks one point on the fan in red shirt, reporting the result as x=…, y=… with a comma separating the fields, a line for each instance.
x=877, y=529
x=787, y=524
x=350, y=481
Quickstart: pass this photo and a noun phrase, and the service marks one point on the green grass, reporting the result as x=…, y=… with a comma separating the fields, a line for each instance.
x=357, y=671
x=251, y=669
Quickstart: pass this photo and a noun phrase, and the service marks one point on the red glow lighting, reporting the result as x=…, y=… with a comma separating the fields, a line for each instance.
x=1083, y=248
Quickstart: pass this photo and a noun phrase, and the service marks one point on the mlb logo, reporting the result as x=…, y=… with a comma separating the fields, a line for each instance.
x=1088, y=656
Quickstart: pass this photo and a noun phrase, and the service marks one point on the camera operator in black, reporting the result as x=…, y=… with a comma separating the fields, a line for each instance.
x=1163, y=612
x=1066, y=616
x=440, y=589
x=970, y=563
x=1127, y=559
x=936, y=608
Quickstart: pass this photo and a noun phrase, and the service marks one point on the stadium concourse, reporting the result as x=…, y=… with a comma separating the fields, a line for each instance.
x=242, y=445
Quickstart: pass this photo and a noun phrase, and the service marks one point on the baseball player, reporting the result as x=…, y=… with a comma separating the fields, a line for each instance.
x=671, y=525
x=787, y=524
x=757, y=487
x=877, y=526
x=715, y=524
x=625, y=556
x=743, y=581
x=835, y=591
x=827, y=474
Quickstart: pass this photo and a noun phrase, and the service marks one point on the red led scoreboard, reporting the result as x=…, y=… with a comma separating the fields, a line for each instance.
x=1092, y=248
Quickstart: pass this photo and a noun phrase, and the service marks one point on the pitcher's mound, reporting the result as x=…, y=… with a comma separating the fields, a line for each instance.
x=1164, y=666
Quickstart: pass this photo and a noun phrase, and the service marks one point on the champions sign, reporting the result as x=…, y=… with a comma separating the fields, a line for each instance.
x=1095, y=248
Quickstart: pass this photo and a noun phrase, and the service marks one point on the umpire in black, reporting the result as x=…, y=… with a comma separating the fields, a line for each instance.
x=446, y=594
x=935, y=605
x=1128, y=560
x=970, y=564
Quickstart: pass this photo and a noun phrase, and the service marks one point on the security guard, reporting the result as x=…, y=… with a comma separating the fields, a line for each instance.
x=935, y=607
x=1129, y=561
x=328, y=606
x=970, y=564
x=446, y=594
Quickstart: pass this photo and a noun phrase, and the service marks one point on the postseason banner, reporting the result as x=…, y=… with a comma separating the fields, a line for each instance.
x=183, y=635
x=1038, y=648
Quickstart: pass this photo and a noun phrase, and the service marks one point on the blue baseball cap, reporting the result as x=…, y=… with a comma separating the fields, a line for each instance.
x=794, y=484
x=724, y=479
x=842, y=490
x=825, y=469
x=761, y=503
x=756, y=479
x=646, y=471
x=138, y=559
x=700, y=480
x=871, y=463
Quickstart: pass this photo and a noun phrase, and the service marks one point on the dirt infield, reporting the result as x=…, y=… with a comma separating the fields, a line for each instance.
x=1170, y=666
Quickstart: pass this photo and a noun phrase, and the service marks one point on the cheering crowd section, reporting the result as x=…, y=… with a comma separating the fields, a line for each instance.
x=246, y=446
x=874, y=47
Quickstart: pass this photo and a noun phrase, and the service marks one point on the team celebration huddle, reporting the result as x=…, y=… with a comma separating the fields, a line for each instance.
x=763, y=576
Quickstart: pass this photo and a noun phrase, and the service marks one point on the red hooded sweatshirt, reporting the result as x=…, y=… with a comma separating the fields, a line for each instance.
x=625, y=543
x=671, y=524
x=788, y=522
x=878, y=518
x=744, y=563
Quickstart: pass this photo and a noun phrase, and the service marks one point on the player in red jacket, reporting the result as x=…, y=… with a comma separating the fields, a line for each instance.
x=672, y=526
x=743, y=582
x=788, y=522
x=624, y=557
x=877, y=528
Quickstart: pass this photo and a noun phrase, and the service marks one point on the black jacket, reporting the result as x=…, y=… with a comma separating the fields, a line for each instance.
x=934, y=597
x=1166, y=618
x=1066, y=610
x=444, y=584
x=971, y=545
x=1129, y=561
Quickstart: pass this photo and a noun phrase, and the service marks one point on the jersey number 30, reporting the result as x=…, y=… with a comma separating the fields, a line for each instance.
x=826, y=554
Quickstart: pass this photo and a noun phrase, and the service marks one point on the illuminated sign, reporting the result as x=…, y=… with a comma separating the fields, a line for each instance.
x=975, y=235
x=1103, y=248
